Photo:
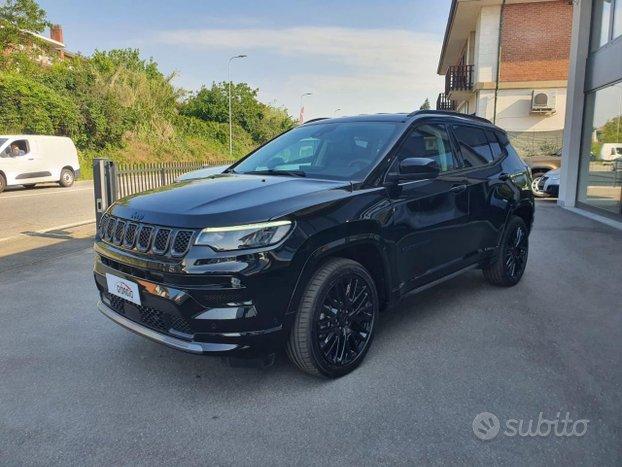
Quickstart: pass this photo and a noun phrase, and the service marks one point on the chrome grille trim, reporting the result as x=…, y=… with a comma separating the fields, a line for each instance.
x=119, y=232
x=161, y=240
x=181, y=243
x=145, y=238
x=129, y=239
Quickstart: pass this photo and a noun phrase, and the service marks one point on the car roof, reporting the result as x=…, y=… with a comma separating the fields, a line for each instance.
x=408, y=117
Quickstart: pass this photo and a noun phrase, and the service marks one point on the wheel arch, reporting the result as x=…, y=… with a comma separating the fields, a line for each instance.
x=526, y=212
x=365, y=249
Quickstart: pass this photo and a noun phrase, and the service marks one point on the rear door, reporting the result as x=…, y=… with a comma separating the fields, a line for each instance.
x=481, y=154
x=429, y=216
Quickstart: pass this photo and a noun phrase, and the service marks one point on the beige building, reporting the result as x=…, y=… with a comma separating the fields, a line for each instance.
x=508, y=61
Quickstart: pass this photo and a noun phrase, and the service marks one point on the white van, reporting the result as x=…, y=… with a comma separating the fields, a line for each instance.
x=27, y=160
x=611, y=151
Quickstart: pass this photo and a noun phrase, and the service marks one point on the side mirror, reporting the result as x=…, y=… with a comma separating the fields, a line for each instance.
x=418, y=168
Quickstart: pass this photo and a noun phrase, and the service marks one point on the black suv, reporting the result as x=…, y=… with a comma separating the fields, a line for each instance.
x=302, y=243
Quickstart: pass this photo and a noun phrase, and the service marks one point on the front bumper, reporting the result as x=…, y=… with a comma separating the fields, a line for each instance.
x=170, y=341
x=216, y=314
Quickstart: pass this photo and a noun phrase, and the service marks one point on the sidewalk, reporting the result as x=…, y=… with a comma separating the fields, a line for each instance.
x=38, y=247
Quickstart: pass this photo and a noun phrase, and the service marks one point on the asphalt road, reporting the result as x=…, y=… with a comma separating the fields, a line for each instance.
x=45, y=207
x=77, y=389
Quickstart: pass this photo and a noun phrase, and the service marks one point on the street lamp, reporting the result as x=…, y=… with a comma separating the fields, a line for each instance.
x=301, y=97
x=230, y=121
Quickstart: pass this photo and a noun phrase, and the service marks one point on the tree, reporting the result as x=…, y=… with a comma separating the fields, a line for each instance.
x=212, y=104
x=23, y=14
x=425, y=105
x=17, y=16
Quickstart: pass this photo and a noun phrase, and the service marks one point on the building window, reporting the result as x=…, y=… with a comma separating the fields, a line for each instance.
x=600, y=172
x=617, y=19
x=606, y=22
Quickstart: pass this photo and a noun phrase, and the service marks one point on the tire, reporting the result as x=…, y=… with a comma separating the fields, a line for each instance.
x=348, y=332
x=534, y=185
x=30, y=186
x=2, y=183
x=507, y=267
x=67, y=178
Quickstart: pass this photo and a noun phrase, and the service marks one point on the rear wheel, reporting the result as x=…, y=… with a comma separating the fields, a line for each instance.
x=2, y=183
x=66, y=178
x=335, y=323
x=508, y=265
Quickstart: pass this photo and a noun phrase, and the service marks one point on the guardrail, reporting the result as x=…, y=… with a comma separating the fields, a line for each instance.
x=112, y=181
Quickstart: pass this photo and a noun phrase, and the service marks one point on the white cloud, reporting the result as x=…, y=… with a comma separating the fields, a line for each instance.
x=359, y=70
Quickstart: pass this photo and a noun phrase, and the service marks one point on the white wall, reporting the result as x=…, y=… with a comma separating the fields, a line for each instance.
x=486, y=41
x=514, y=106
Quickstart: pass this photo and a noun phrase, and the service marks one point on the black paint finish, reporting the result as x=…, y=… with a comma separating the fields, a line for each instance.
x=407, y=233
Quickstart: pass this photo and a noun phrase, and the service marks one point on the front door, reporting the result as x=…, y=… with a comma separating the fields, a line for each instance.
x=430, y=216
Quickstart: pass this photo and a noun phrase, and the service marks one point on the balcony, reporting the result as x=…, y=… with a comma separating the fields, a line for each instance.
x=459, y=78
x=445, y=103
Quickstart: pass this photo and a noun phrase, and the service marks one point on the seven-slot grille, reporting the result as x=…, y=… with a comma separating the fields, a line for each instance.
x=145, y=238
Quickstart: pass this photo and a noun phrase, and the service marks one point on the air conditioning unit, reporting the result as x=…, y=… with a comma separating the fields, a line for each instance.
x=543, y=101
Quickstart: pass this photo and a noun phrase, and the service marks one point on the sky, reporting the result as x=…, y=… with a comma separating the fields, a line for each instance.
x=359, y=56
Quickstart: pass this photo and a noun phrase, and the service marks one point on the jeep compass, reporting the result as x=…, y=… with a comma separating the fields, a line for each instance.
x=304, y=241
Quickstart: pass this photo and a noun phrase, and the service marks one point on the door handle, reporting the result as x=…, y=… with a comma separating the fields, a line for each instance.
x=458, y=188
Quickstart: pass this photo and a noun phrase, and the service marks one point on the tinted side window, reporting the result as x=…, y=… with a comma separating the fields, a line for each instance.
x=431, y=141
x=473, y=145
x=497, y=151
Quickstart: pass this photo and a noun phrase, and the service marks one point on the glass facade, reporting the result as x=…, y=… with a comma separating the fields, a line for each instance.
x=600, y=171
x=601, y=19
x=617, y=20
x=606, y=22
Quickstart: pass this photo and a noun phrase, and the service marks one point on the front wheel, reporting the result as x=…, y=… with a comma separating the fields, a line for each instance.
x=535, y=189
x=2, y=183
x=66, y=178
x=336, y=318
x=507, y=267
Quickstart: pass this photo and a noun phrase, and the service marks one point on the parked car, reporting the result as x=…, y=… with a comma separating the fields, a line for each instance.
x=539, y=165
x=303, y=248
x=611, y=151
x=549, y=183
x=28, y=159
x=202, y=173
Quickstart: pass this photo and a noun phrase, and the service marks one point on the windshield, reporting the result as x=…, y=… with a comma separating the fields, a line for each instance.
x=339, y=151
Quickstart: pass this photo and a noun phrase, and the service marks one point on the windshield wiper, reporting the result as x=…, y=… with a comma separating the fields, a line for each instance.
x=290, y=173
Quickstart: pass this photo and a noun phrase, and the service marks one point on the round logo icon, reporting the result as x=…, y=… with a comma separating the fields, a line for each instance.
x=486, y=426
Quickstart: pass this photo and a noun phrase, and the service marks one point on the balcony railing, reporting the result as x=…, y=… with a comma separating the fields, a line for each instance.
x=445, y=103
x=459, y=78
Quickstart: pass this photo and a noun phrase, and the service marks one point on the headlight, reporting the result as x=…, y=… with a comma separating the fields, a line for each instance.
x=239, y=237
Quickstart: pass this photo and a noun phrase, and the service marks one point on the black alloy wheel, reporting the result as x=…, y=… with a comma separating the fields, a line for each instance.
x=336, y=318
x=343, y=326
x=508, y=265
x=516, y=253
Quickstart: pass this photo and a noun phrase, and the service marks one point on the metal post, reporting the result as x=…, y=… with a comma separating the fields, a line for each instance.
x=105, y=186
x=230, y=113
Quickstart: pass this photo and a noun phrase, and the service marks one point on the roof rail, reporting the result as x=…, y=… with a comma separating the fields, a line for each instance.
x=451, y=113
x=315, y=120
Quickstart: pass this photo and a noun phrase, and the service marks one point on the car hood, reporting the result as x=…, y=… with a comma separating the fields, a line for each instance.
x=228, y=199
x=202, y=173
